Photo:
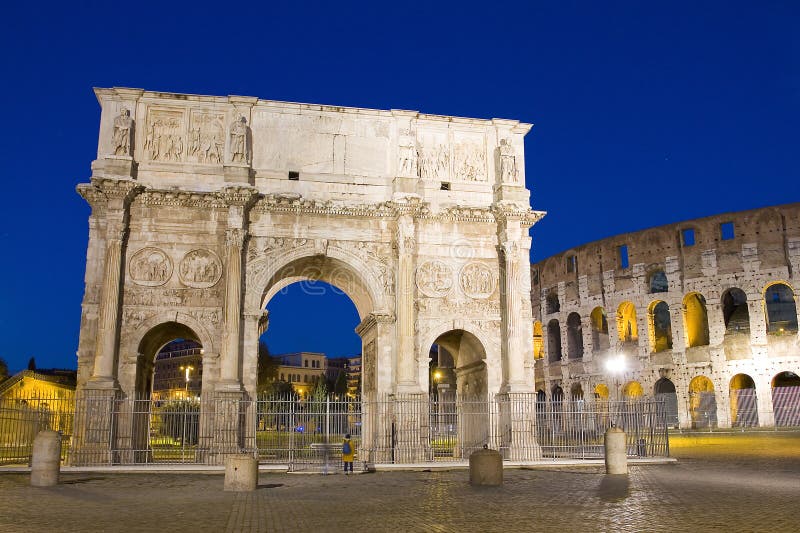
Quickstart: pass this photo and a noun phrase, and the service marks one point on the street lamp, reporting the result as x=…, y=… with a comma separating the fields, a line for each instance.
x=187, y=368
x=616, y=366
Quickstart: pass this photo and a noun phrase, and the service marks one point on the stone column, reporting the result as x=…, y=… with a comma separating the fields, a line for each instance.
x=758, y=321
x=118, y=194
x=230, y=412
x=766, y=413
x=405, y=242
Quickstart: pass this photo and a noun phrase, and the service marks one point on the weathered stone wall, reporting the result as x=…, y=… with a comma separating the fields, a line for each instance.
x=764, y=250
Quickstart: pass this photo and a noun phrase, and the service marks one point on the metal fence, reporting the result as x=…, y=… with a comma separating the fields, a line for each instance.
x=306, y=434
x=575, y=429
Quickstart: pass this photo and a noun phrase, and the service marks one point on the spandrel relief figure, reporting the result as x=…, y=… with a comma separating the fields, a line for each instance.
x=238, y=139
x=469, y=163
x=200, y=268
x=508, y=162
x=121, y=135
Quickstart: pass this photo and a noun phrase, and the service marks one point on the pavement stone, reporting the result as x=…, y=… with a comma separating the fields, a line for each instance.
x=701, y=492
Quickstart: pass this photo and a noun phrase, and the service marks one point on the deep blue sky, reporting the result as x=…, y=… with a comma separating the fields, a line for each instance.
x=646, y=113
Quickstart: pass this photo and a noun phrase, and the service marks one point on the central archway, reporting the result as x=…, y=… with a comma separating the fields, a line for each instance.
x=347, y=273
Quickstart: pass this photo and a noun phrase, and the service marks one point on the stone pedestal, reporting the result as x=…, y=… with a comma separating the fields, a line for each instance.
x=486, y=468
x=115, y=167
x=241, y=473
x=238, y=174
x=615, y=451
x=46, y=460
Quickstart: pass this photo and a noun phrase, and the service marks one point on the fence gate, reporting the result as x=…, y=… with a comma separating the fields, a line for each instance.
x=307, y=434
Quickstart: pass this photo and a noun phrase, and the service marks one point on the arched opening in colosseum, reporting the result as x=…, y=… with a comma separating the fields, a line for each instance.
x=601, y=391
x=169, y=369
x=658, y=282
x=744, y=404
x=702, y=403
x=781, y=309
x=599, y=321
x=660, y=325
x=552, y=304
x=574, y=336
x=786, y=399
x=538, y=340
x=576, y=393
x=632, y=390
x=626, y=323
x=553, y=341
x=664, y=390
x=557, y=405
x=735, y=312
x=695, y=319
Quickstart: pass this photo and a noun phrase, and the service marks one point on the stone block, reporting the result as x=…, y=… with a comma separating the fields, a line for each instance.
x=241, y=473
x=616, y=453
x=486, y=468
x=46, y=459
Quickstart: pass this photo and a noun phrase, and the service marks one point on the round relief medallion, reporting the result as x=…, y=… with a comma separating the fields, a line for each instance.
x=434, y=278
x=200, y=269
x=477, y=280
x=150, y=267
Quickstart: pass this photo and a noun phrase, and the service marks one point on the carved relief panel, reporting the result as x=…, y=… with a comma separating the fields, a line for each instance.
x=150, y=267
x=200, y=269
x=469, y=158
x=206, y=137
x=164, y=135
x=434, y=278
x=477, y=280
x=369, y=363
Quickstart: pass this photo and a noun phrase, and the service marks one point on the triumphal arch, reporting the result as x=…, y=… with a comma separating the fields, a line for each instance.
x=204, y=207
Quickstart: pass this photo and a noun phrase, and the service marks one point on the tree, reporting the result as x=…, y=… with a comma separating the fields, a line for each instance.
x=32, y=363
x=340, y=385
x=267, y=369
x=3, y=370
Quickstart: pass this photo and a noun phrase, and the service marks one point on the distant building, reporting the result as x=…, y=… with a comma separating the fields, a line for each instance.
x=354, y=375
x=336, y=366
x=39, y=399
x=178, y=371
x=302, y=369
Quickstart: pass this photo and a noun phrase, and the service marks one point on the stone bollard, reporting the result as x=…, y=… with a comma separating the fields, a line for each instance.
x=241, y=473
x=486, y=468
x=616, y=451
x=46, y=459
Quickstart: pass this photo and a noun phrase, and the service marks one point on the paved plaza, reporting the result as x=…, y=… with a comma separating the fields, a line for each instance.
x=721, y=483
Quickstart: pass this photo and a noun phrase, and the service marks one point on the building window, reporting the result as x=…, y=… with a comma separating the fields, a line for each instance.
x=726, y=231
x=305, y=363
x=294, y=175
x=687, y=236
x=623, y=256
x=572, y=263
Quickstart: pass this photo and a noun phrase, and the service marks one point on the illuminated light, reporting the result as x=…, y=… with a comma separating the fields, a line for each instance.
x=616, y=364
x=437, y=375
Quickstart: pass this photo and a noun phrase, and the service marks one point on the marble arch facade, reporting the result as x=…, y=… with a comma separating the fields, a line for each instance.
x=763, y=249
x=202, y=207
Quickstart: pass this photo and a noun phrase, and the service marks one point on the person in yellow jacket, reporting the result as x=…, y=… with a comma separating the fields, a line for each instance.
x=348, y=452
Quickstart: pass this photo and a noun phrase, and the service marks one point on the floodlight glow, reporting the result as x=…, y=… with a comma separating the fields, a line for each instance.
x=616, y=365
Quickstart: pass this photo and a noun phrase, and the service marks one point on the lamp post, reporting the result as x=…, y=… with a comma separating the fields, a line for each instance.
x=616, y=365
x=187, y=368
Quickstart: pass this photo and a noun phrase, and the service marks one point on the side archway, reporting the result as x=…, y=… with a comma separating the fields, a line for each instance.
x=702, y=403
x=786, y=399
x=744, y=404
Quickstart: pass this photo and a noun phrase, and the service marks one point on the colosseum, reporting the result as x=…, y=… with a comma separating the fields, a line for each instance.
x=701, y=314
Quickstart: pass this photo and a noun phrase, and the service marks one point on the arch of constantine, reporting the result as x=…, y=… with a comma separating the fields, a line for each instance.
x=703, y=312
x=203, y=208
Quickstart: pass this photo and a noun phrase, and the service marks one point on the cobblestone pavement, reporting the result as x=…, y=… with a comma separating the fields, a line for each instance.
x=702, y=492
